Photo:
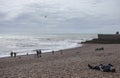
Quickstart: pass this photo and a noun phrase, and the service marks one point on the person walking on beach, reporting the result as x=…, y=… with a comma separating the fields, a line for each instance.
x=11, y=54
x=53, y=52
x=40, y=52
x=14, y=54
x=27, y=54
x=37, y=52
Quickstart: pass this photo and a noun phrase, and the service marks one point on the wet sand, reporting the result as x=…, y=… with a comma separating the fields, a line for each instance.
x=71, y=64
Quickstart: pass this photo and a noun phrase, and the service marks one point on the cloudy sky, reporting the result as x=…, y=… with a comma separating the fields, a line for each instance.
x=59, y=16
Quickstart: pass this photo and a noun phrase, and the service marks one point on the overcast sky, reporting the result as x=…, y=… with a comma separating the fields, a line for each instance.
x=59, y=16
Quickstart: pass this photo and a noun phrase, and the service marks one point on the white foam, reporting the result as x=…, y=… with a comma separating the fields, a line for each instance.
x=27, y=44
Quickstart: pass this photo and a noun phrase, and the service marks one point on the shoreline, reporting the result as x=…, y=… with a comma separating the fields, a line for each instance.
x=71, y=64
x=47, y=51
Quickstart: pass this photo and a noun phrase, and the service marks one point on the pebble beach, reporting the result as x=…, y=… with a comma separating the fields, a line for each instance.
x=72, y=63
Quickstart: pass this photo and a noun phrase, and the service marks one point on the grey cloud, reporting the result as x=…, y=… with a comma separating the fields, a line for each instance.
x=61, y=16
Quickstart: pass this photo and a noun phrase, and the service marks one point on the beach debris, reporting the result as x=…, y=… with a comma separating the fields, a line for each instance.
x=99, y=49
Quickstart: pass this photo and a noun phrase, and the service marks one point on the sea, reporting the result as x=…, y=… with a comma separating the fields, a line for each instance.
x=27, y=44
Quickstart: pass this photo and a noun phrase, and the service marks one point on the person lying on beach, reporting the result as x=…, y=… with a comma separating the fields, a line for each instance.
x=104, y=68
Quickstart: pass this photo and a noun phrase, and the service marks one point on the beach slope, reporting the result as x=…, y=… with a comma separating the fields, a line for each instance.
x=71, y=64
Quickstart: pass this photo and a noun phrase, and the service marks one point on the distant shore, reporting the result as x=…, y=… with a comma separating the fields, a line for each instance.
x=72, y=63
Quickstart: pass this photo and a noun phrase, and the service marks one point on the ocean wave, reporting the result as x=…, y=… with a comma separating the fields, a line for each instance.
x=26, y=44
